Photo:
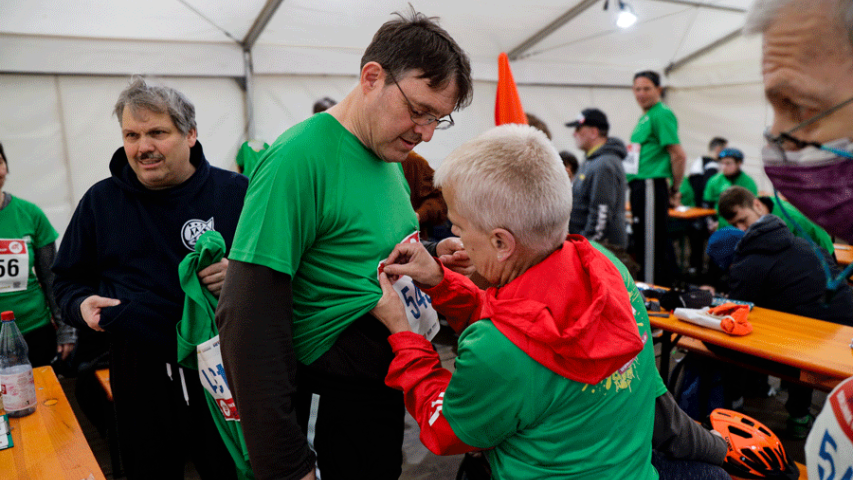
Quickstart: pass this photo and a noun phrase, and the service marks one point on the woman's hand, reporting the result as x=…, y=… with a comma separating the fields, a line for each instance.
x=390, y=310
x=413, y=260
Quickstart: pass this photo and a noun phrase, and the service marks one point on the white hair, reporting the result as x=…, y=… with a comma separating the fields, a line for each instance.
x=511, y=177
x=763, y=12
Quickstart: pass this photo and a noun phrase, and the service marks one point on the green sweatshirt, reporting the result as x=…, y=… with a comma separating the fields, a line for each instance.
x=198, y=326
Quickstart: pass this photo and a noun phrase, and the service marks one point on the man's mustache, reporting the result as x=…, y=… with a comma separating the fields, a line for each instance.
x=151, y=156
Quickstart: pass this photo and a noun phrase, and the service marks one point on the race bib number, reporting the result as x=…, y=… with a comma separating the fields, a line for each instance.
x=14, y=265
x=212, y=375
x=419, y=311
x=631, y=163
x=829, y=447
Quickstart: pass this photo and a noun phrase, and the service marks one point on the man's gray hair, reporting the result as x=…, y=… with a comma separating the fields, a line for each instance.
x=763, y=12
x=511, y=177
x=139, y=95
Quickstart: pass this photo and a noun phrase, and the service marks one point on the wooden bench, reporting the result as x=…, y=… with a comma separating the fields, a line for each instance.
x=806, y=378
x=103, y=376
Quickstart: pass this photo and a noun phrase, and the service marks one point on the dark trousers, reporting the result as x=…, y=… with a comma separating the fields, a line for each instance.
x=157, y=429
x=651, y=245
x=41, y=343
x=353, y=421
x=670, y=469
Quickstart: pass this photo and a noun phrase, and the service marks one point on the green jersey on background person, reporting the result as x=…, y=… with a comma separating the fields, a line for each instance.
x=23, y=228
x=656, y=130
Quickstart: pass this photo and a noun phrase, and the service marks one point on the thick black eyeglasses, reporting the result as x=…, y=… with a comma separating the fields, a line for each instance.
x=785, y=139
x=422, y=118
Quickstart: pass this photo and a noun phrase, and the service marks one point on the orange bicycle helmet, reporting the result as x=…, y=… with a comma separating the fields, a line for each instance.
x=753, y=450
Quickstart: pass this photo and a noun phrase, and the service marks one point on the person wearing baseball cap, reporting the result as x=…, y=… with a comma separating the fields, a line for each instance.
x=599, y=187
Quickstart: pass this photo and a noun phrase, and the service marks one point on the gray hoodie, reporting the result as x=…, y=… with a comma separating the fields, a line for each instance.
x=598, y=191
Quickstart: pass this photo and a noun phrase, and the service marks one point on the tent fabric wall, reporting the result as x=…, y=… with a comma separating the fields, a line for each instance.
x=61, y=132
x=60, y=143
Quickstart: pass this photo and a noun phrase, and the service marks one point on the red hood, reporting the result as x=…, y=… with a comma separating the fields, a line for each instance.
x=571, y=313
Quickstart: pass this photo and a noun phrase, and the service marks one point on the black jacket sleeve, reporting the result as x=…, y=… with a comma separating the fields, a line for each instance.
x=75, y=278
x=677, y=436
x=255, y=320
x=603, y=201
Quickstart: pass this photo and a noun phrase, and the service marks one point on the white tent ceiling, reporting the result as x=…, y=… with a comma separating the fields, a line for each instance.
x=201, y=37
x=62, y=64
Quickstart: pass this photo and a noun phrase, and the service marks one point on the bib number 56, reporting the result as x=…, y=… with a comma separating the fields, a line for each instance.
x=9, y=267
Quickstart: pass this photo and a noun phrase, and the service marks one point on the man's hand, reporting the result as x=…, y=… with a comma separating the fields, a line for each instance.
x=65, y=349
x=452, y=254
x=90, y=309
x=214, y=276
x=390, y=310
x=413, y=260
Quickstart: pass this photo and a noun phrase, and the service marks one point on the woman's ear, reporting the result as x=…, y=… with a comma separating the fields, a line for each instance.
x=503, y=242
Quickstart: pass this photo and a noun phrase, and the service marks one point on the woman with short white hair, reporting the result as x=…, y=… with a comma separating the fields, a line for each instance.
x=551, y=374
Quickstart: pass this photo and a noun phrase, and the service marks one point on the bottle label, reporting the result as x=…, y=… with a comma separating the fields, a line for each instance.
x=14, y=265
x=18, y=390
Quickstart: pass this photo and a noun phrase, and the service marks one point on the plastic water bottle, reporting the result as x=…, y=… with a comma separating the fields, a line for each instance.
x=16, y=371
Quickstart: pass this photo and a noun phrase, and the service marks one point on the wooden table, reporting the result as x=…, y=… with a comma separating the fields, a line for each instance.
x=49, y=443
x=844, y=254
x=820, y=350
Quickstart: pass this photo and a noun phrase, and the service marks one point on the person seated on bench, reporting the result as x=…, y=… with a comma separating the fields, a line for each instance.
x=773, y=269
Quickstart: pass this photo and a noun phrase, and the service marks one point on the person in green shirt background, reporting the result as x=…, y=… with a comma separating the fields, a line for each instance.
x=741, y=207
x=731, y=161
x=27, y=250
x=655, y=157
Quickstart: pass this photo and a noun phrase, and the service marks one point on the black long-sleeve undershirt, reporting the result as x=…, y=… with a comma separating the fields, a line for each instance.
x=255, y=321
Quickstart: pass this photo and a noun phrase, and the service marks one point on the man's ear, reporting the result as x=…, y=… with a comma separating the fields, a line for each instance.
x=503, y=242
x=191, y=137
x=372, y=77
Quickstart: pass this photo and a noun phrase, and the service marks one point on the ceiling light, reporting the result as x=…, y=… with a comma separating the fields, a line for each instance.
x=626, y=16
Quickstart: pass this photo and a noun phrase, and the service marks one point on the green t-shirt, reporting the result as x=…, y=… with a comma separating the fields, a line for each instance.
x=817, y=234
x=249, y=155
x=656, y=130
x=718, y=183
x=688, y=198
x=543, y=425
x=325, y=210
x=22, y=220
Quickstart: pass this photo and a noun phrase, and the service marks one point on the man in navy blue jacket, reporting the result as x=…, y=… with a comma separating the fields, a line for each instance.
x=117, y=272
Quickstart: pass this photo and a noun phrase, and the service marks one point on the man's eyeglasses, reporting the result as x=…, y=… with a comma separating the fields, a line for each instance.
x=797, y=149
x=423, y=119
x=787, y=142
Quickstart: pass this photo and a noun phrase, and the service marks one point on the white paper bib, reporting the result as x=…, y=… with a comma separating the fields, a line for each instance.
x=422, y=317
x=631, y=163
x=14, y=265
x=212, y=375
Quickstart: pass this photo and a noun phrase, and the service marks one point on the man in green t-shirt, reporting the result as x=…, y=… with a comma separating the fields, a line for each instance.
x=655, y=157
x=741, y=208
x=731, y=160
x=326, y=204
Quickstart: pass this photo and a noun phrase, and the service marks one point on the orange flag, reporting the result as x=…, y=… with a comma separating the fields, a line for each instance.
x=508, y=107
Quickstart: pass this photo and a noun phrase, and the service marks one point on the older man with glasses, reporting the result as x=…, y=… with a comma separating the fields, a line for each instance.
x=808, y=80
x=326, y=204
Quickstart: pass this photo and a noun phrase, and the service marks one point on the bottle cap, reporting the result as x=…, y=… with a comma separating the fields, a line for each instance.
x=7, y=316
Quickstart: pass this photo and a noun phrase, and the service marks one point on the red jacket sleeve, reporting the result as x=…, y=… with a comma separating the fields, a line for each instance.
x=457, y=298
x=416, y=370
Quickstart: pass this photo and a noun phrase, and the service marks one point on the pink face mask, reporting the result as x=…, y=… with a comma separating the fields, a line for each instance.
x=818, y=181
